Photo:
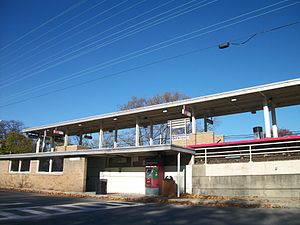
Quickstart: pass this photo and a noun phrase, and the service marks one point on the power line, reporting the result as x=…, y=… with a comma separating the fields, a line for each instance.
x=45, y=33
x=12, y=76
x=109, y=75
x=132, y=69
x=250, y=37
x=150, y=49
x=43, y=24
x=86, y=51
x=69, y=30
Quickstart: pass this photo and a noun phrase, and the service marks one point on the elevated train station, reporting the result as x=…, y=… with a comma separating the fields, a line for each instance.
x=198, y=162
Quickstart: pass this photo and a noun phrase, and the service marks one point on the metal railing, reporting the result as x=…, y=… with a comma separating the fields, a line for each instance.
x=249, y=152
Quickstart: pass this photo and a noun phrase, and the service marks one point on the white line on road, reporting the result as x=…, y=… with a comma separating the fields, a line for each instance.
x=62, y=209
x=14, y=203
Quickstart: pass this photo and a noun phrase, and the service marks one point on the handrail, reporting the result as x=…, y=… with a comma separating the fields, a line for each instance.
x=260, y=144
x=252, y=150
x=248, y=150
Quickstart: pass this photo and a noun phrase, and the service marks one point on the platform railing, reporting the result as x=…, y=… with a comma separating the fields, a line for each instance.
x=248, y=152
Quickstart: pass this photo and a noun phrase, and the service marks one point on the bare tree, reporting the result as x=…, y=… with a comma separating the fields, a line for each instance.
x=160, y=131
x=7, y=126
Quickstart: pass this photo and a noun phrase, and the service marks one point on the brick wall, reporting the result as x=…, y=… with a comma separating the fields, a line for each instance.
x=73, y=177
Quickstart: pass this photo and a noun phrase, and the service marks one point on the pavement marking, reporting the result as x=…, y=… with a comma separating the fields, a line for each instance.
x=14, y=203
x=61, y=209
x=32, y=211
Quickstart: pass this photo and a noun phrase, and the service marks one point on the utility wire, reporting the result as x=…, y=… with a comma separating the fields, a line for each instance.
x=175, y=37
x=69, y=30
x=94, y=48
x=32, y=67
x=45, y=33
x=43, y=24
x=128, y=70
x=265, y=31
x=142, y=52
x=107, y=76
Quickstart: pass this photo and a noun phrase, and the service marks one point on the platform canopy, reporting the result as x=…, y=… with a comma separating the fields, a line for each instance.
x=280, y=94
x=166, y=149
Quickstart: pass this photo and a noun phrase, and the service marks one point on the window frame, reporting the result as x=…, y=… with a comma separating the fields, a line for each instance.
x=19, y=166
x=50, y=170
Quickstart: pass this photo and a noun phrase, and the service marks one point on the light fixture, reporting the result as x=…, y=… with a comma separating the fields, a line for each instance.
x=233, y=100
x=224, y=45
x=80, y=125
x=165, y=111
x=115, y=119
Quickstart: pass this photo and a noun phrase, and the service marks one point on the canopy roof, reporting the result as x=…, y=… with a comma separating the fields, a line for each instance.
x=121, y=151
x=281, y=94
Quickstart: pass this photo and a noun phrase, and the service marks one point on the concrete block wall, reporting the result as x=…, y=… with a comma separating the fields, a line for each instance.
x=264, y=185
x=73, y=177
x=252, y=168
x=199, y=138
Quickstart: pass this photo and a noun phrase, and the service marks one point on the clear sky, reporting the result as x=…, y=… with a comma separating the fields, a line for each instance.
x=50, y=45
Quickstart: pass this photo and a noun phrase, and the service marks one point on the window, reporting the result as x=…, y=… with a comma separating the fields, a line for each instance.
x=57, y=164
x=44, y=165
x=25, y=165
x=20, y=165
x=54, y=164
x=14, y=165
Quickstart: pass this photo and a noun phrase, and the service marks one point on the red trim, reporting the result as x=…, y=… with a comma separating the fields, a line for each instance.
x=264, y=140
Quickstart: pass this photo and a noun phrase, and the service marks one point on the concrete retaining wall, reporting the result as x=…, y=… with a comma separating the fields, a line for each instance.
x=253, y=168
x=277, y=185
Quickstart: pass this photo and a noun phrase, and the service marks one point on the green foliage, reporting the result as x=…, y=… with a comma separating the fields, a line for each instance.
x=16, y=143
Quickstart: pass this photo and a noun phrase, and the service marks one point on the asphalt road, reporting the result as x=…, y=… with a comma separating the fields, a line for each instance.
x=31, y=209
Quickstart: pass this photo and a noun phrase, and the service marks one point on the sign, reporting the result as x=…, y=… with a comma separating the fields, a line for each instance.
x=186, y=112
x=210, y=121
x=59, y=132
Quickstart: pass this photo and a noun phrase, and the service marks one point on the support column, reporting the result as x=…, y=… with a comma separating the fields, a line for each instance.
x=274, y=122
x=178, y=174
x=38, y=143
x=52, y=144
x=205, y=123
x=80, y=139
x=66, y=140
x=151, y=134
x=116, y=138
x=137, y=133
x=192, y=160
x=194, y=124
x=44, y=140
x=267, y=119
x=100, y=138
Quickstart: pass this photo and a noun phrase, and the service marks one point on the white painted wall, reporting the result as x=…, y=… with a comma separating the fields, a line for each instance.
x=253, y=168
x=129, y=180
x=132, y=179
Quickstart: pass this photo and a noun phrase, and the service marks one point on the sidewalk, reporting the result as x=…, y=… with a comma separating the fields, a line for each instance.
x=185, y=199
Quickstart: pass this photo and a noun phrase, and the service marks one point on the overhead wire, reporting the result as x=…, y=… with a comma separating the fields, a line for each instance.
x=43, y=24
x=140, y=53
x=95, y=48
x=69, y=30
x=149, y=49
x=32, y=67
x=16, y=50
x=131, y=69
x=265, y=31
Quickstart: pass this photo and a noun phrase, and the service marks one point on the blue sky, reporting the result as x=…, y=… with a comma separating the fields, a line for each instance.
x=42, y=41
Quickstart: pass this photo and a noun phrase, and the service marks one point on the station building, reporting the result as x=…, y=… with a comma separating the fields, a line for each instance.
x=198, y=162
